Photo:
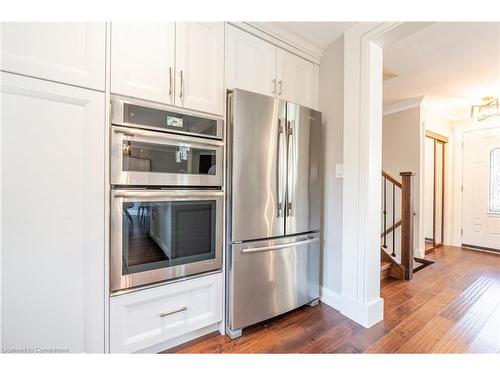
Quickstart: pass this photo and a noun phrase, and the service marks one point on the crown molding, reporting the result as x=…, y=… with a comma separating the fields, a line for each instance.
x=403, y=105
x=288, y=36
x=293, y=34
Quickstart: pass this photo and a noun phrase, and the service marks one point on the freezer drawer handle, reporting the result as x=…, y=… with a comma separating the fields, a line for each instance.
x=278, y=247
x=183, y=308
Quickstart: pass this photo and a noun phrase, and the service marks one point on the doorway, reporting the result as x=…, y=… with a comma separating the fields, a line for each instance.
x=481, y=190
x=434, y=170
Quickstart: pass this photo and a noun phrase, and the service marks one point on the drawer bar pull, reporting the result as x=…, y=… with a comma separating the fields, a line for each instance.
x=183, y=308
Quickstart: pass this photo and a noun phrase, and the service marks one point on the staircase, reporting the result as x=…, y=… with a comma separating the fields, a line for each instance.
x=396, y=247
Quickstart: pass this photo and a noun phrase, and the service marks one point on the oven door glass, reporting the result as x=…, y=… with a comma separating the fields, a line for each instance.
x=165, y=234
x=156, y=158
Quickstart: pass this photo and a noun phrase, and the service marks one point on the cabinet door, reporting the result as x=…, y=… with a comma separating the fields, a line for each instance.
x=250, y=63
x=52, y=209
x=295, y=79
x=200, y=66
x=72, y=53
x=142, y=60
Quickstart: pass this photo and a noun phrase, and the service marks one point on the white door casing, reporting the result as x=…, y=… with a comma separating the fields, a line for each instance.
x=71, y=53
x=481, y=227
x=143, y=60
x=200, y=60
x=429, y=188
x=52, y=244
x=362, y=161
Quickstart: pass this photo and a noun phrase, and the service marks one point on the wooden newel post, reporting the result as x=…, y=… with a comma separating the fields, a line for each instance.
x=407, y=225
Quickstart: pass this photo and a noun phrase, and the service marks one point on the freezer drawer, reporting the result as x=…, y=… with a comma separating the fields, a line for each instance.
x=271, y=277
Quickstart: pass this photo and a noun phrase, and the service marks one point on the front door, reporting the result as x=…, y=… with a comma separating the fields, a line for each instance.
x=481, y=189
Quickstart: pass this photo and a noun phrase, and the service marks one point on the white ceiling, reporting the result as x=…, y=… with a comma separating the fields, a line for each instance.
x=453, y=64
x=326, y=32
x=311, y=37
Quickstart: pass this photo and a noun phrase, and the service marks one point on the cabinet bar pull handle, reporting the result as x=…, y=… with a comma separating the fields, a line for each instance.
x=170, y=81
x=280, y=83
x=183, y=308
x=182, y=86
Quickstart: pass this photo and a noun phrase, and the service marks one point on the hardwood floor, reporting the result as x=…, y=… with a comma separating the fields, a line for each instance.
x=452, y=306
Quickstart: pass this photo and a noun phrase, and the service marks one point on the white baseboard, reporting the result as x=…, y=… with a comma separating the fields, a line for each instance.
x=365, y=314
x=330, y=298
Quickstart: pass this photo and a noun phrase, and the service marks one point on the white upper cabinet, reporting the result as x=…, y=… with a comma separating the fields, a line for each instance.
x=200, y=66
x=295, y=78
x=143, y=60
x=255, y=65
x=71, y=53
x=53, y=245
x=250, y=62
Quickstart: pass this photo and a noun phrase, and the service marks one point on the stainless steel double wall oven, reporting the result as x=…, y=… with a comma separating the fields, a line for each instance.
x=166, y=199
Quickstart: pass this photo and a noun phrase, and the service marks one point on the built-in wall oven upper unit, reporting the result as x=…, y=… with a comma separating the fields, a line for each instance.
x=146, y=115
x=159, y=235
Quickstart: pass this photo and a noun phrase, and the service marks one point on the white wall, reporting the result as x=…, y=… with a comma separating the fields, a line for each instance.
x=402, y=151
x=331, y=104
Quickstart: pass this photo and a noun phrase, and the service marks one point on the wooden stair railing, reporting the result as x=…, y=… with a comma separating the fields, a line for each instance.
x=400, y=268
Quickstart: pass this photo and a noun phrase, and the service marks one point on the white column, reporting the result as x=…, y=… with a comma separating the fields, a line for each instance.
x=362, y=168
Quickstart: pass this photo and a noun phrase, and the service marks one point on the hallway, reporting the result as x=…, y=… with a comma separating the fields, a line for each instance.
x=452, y=306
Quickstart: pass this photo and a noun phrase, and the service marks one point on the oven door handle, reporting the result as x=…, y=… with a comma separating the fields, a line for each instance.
x=170, y=194
x=278, y=247
x=124, y=132
x=168, y=138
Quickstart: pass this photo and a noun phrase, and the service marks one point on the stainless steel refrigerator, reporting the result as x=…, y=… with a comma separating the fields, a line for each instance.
x=273, y=208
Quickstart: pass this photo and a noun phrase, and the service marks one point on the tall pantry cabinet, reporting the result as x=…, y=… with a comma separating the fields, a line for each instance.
x=53, y=187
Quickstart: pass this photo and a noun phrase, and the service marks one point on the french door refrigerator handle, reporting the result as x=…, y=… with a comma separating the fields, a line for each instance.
x=249, y=250
x=289, y=195
x=279, y=171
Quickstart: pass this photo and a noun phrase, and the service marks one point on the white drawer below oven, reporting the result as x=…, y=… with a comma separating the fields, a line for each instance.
x=149, y=317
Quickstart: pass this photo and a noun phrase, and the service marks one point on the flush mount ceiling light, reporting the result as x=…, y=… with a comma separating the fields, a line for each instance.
x=489, y=107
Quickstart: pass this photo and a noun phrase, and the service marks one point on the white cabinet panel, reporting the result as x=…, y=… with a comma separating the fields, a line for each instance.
x=250, y=62
x=52, y=244
x=142, y=60
x=149, y=317
x=295, y=79
x=72, y=53
x=200, y=66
